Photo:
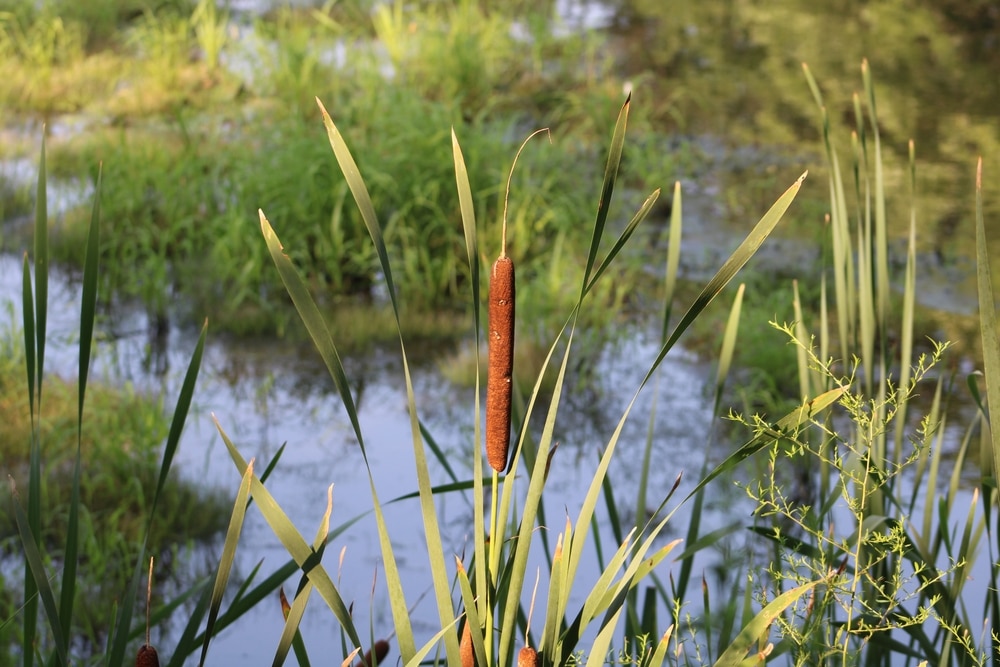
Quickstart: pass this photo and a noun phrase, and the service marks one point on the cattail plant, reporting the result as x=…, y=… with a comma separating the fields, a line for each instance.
x=499, y=381
x=375, y=655
x=147, y=657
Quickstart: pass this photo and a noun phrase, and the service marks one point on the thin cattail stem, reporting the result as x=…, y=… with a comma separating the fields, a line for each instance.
x=149, y=596
x=499, y=382
x=506, y=194
x=147, y=657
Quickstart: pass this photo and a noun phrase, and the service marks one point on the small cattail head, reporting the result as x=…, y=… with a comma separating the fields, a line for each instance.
x=146, y=657
x=527, y=657
x=466, y=650
x=376, y=654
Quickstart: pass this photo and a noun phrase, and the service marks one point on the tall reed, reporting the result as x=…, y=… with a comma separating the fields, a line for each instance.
x=880, y=515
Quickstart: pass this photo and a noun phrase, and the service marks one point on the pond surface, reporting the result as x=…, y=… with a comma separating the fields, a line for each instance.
x=267, y=394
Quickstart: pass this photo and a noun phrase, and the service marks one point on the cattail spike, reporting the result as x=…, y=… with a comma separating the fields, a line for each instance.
x=527, y=657
x=499, y=381
x=376, y=654
x=466, y=650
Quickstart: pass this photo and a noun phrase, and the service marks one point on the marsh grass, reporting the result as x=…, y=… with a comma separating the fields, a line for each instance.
x=874, y=510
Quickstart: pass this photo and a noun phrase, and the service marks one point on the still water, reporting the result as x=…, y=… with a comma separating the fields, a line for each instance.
x=268, y=394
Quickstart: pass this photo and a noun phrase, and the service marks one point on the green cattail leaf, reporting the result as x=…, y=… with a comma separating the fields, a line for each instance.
x=28, y=325
x=751, y=633
x=290, y=632
x=608, y=188
x=602, y=643
x=624, y=237
x=639, y=567
x=736, y=261
x=802, y=336
x=881, y=233
x=418, y=657
x=472, y=252
x=290, y=635
x=472, y=617
x=988, y=323
x=36, y=570
x=813, y=86
x=660, y=653
x=598, y=599
x=909, y=307
x=41, y=269
x=357, y=185
x=180, y=415
x=88, y=305
x=320, y=334
x=728, y=345
x=739, y=257
x=228, y=556
x=88, y=311
x=673, y=257
x=532, y=501
x=300, y=551
x=435, y=551
x=315, y=325
x=120, y=634
x=787, y=424
x=556, y=597
x=468, y=224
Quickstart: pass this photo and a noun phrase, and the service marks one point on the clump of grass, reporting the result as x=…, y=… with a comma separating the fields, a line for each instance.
x=860, y=498
x=89, y=517
x=491, y=591
x=118, y=469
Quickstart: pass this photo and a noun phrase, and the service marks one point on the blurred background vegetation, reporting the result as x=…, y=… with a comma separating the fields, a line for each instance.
x=203, y=112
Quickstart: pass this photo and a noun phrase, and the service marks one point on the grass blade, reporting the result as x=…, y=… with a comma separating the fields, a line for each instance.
x=608, y=188
x=228, y=556
x=305, y=556
x=673, y=257
x=755, y=629
x=472, y=252
x=362, y=198
x=120, y=634
x=435, y=552
x=41, y=271
x=36, y=570
x=88, y=312
x=988, y=323
x=785, y=426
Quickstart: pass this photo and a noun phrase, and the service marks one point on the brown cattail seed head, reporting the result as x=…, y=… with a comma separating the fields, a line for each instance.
x=501, y=362
x=466, y=650
x=146, y=657
x=527, y=657
x=375, y=655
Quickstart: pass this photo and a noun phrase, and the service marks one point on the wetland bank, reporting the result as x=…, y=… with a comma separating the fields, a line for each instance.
x=211, y=115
